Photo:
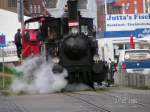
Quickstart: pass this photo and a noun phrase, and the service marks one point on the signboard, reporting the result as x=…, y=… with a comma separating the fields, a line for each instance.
x=2, y=40
x=141, y=33
x=127, y=22
x=8, y=54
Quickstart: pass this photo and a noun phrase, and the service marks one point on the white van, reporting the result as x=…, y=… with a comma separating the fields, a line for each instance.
x=135, y=61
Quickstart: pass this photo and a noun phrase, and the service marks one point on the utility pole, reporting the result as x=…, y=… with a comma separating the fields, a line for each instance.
x=105, y=13
x=20, y=11
x=105, y=7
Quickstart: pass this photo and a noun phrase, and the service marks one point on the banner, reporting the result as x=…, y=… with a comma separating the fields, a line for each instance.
x=126, y=22
x=2, y=40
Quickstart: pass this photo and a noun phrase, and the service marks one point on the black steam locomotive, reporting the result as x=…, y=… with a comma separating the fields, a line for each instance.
x=71, y=42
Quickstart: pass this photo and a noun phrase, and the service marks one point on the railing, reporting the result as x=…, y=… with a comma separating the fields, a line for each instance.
x=132, y=79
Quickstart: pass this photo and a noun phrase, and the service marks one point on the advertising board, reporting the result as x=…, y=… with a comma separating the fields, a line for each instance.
x=2, y=40
x=127, y=22
x=8, y=54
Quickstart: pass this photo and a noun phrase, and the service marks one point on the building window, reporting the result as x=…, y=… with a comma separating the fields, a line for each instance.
x=147, y=6
x=12, y=3
x=127, y=46
x=51, y=3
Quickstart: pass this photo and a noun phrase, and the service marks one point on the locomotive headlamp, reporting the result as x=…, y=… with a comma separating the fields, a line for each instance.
x=56, y=60
x=74, y=30
x=96, y=58
x=127, y=56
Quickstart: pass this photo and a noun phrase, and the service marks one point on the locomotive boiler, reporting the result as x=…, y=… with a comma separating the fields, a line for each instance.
x=71, y=42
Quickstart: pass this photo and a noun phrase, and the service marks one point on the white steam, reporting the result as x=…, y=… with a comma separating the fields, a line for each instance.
x=37, y=77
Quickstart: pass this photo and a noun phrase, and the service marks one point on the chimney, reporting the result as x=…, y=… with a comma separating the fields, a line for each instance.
x=73, y=13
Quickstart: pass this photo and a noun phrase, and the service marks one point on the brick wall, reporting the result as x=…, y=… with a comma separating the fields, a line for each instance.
x=130, y=6
x=4, y=5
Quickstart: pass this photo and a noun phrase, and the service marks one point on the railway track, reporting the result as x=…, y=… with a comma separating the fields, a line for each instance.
x=134, y=97
x=83, y=101
x=127, y=98
x=93, y=107
x=112, y=100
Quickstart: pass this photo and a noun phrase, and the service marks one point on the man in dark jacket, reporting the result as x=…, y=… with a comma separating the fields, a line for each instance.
x=18, y=37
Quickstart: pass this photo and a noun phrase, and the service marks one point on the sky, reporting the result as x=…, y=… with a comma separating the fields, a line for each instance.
x=8, y=24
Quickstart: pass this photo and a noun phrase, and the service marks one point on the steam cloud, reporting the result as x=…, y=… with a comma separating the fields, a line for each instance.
x=37, y=77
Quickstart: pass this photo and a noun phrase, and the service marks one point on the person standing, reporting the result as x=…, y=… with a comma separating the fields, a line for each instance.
x=18, y=44
x=112, y=70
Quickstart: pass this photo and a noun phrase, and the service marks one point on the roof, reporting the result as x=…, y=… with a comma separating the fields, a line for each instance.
x=108, y=1
x=34, y=19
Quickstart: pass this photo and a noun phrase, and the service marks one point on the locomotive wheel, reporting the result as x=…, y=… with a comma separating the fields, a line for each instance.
x=91, y=84
x=99, y=72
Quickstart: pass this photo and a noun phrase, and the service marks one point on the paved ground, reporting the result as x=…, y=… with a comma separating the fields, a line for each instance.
x=7, y=105
x=114, y=100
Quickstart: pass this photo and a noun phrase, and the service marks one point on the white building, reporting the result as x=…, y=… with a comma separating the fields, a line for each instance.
x=9, y=24
x=88, y=8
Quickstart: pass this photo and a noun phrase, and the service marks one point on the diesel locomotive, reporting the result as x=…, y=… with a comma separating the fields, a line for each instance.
x=70, y=41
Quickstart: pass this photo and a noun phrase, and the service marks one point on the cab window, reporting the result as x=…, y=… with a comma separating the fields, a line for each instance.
x=51, y=3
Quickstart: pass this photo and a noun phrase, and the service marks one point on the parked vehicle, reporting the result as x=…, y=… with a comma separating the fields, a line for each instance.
x=134, y=61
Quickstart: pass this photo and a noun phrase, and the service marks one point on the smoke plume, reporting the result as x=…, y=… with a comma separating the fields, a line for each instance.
x=37, y=77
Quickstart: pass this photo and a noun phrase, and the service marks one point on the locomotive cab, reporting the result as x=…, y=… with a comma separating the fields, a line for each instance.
x=30, y=42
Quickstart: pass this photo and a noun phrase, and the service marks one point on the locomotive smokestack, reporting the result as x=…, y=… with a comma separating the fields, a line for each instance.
x=72, y=9
x=73, y=13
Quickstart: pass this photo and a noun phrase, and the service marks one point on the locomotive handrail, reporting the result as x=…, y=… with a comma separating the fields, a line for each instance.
x=25, y=49
x=23, y=53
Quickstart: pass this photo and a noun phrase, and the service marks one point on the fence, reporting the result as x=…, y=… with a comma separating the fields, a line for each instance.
x=132, y=79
